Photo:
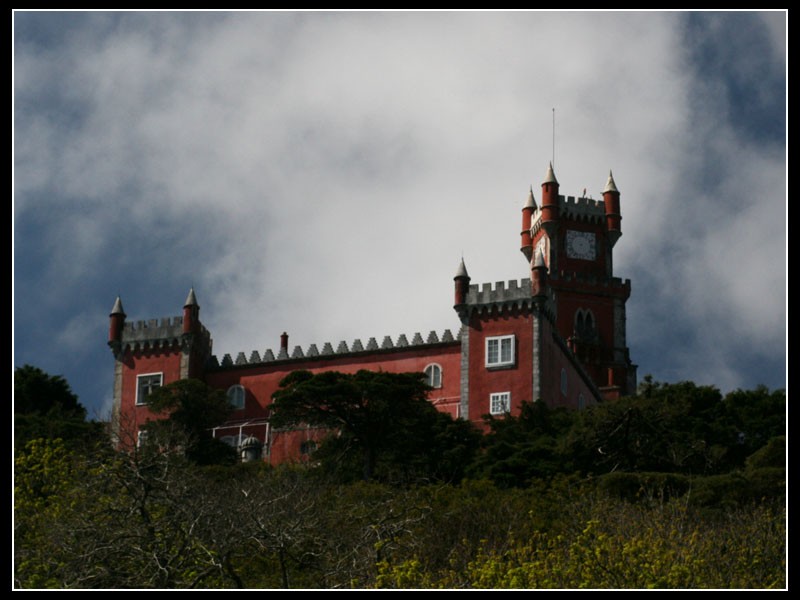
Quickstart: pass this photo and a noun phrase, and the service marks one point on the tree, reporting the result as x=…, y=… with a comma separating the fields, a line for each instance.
x=522, y=448
x=754, y=417
x=384, y=424
x=46, y=407
x=37, y=392
x=193, y=410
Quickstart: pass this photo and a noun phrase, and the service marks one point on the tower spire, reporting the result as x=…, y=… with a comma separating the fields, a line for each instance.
x=550, y=176
x=610, y=185
x=538, y=275
x=117, y=322
x=527, y=217
x=613, y=215
x=191, y=313
x=549, y=196
x=191, y=299
x=462, y=280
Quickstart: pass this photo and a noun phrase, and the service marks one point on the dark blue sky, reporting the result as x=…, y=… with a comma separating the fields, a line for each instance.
x=323, y=174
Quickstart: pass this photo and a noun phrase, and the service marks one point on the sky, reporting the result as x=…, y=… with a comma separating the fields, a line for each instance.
x=323, y=173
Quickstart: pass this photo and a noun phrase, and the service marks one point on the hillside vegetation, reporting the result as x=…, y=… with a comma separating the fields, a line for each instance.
x=678, y=487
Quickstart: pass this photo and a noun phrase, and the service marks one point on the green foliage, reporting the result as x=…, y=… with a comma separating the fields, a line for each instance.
x=644, y=486
x=620, y=546
x=670, y=428
x=755, y=416
x=681, y=428
x=739, y=488
x=193, y=410
x=46, y=407
x=151, y=517
x=772, y=454
x=667, y=428
x=521, y=449
x=385, y=427
x=37, y=392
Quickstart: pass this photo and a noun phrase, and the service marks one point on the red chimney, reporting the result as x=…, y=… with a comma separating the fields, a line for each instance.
x=285, y=342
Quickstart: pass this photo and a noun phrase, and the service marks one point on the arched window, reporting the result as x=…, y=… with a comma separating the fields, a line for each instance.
x=433, y=375
x=584, y=324
x=236, y=396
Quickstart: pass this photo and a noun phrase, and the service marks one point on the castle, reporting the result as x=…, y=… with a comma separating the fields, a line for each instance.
x=557, y=337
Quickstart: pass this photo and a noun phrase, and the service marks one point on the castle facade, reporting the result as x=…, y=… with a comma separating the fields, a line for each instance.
x=557, y=336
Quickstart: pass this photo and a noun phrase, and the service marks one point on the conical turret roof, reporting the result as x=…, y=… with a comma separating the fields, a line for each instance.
x=531, y=203
x=191, y=299
x=610, y=185
x=461, y=271
x=118, y=310
x=550, y=176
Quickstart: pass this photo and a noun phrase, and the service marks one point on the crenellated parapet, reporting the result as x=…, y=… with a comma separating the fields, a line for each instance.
x=342, y=349
x=166, y=332
x=580, y=209
x=502, y=296
x=613, y=286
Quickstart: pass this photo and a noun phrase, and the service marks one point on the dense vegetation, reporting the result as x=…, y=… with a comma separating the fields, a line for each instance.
x=678, y=487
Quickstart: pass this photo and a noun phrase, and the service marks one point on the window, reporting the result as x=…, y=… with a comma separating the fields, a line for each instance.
x=584, y=325
x=500, y=351
x=564, y=381
x=236, y=396
x=433, y=375
x=141, y=438
x=581, y=401
x=500, y=403
x=146, y=385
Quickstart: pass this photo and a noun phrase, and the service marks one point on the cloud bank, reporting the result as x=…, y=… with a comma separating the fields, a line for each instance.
x=323, y=174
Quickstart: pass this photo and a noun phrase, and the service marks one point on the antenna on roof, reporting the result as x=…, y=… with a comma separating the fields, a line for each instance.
x=554, y=138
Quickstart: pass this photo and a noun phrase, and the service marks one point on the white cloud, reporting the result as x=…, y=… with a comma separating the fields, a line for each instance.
x=323, y=173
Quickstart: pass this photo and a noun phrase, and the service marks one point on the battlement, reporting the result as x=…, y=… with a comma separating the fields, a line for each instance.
x=499, y=293
x=581, y=205
x=576, y=209
x=582, y=209
x=342, y=349
x=152, y=328
x=161, y=333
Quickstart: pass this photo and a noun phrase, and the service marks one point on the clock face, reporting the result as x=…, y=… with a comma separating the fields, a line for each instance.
x=581, y=245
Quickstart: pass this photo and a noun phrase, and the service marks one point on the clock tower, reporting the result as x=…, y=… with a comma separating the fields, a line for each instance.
x=576, y=238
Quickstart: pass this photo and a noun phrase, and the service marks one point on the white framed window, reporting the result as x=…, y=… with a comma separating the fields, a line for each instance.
x=500, y=351
x=236, y=394
x=146, y=384
x=433, y=375
x=500, y=403
x=141, y=438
